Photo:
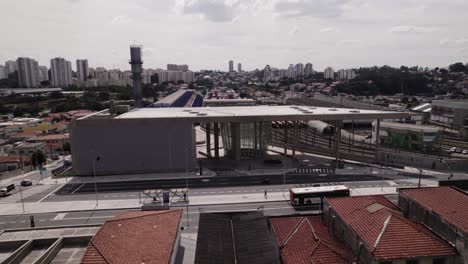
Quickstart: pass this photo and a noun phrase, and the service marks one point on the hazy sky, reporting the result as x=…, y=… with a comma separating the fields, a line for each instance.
x=205, y=34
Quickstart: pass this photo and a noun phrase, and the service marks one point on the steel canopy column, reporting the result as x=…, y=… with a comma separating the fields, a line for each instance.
x=337, y=140
x=208, y=138
x=294, y=139
x=216, y=140
x=235, y=141
x=285, y=138
x=377, y=139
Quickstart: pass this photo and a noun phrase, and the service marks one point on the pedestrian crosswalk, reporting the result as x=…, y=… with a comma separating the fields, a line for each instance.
x=308, y=171
x=229, y=172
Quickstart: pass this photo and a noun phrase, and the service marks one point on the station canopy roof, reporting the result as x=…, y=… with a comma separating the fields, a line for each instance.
x=260, y=113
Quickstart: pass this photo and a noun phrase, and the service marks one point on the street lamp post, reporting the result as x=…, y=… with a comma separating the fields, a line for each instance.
x=94, y=177
x=448, y=166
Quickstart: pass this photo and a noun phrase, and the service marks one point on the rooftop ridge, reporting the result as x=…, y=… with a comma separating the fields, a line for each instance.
x=141, y=216
x=386, y=223
x=292, y=233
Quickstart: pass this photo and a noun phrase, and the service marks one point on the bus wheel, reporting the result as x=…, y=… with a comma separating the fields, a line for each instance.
x=309, y=203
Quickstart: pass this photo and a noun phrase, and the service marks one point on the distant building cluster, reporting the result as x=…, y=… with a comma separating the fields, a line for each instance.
x=296, y=72
x=231, y=66
x=341, y=75
x=60, y=74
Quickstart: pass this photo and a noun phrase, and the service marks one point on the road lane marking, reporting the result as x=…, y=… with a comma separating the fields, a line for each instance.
x=52, y=192
x=81, y=218
x=59, y=216
x=78, y=188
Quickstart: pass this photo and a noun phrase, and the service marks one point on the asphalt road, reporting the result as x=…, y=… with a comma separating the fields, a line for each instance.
x=189, y=221
x=276, y=179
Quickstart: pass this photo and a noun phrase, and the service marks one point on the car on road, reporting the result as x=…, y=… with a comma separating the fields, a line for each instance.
x=453, y=149
x=465, y=152
x=266, y=181
x=458, y=150
x=273, y=161
x=26, y=183
x=5, y=191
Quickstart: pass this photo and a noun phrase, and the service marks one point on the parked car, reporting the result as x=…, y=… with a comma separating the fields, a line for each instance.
x=26, y=183
x=5, y=191
x=465, y=151
x=458, y=150
x=453, y=149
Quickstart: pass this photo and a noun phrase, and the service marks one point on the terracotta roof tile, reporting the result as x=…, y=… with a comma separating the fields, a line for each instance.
x=385, y=232
x=451, y=204
x=135, y=237
x=305, y=240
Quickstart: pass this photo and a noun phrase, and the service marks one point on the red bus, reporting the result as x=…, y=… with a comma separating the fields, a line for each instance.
x=311, y=195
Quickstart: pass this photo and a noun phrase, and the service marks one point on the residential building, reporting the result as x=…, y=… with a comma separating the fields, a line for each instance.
x=53, y=143
x=329, y=73
x=175, y=67
x=82, y=70
x=241, y=238
x=292, y=72
x=61, y=72
x=308, y=70
x=267, y=74
x=453, y=115
x=346, y=75
x=300, y=71
x=28, y=72
x=26, y=148
x=175, y=76
x=305, y=239
x=443, y=209
x=3, y=74
x=239, y=67
x=137, y=237
x=43, y=73
x=231, y=66
x=10, y=67
x=377, y=232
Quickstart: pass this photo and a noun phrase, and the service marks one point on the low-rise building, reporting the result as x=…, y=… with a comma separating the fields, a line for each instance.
x=407, y=136
x=443, y=209
x=52, y=142
x=137, y=237
x=241, y=238
x=305, y=239
x=377, y=232
x=453, y=114
x=26, y=148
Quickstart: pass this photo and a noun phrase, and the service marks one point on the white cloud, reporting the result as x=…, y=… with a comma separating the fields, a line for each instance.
x=213, y=10
x=120, y=20
x=306, y=8
x=410, y=30
x=327, y=29
x=294, y=30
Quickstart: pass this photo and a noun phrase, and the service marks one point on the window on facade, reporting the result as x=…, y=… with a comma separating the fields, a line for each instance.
x=412, y=261
x=385, y=262
x=439, y=261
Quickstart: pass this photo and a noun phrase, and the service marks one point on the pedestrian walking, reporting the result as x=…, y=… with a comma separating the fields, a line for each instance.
x=266, y=196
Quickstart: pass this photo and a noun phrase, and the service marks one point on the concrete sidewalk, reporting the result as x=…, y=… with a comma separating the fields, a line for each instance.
x=258, y=197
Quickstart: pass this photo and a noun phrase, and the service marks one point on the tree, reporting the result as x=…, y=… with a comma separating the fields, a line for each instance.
x=104, y=96
x=66, y=147
x=38, y=158
x=56, y=95
x=457, y=67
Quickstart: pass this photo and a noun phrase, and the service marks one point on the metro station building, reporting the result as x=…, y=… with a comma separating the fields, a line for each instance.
x=148, y=140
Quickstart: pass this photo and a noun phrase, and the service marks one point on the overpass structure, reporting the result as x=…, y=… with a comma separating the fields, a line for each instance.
x=150, y=140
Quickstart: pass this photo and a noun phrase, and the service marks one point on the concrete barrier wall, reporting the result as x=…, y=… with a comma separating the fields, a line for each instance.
x=432, y=163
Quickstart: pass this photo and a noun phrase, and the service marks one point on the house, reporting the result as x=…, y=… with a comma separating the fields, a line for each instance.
x=150, y=237
x=239, y=238
x=376, y=231
x=306, y=240
x=443, y=209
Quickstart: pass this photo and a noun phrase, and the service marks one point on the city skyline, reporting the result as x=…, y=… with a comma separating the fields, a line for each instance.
x=335, y=34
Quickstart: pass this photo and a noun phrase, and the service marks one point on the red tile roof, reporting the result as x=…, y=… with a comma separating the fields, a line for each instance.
x=51, y=137
x=10, y=159
x=135, y=237
x=449, y=203
x=385, y=232
x=305, y=240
